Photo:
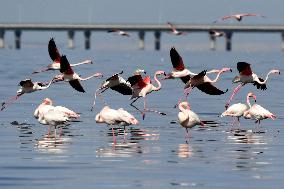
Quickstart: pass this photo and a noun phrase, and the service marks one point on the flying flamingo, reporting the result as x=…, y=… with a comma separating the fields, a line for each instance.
x=119, y=32
x=257, y=112
x=174, y=30
x=27, y=86
x=215, y=33
x=55, y=57
x=238, y=17
x=247, y=76
x=70, y=76
x=238, y=110
x=115, y=117
x=201, y=80
x=187, y=118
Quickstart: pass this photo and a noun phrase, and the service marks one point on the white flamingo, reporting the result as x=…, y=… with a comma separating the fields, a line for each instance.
x=257, y=112
x=247, y=76
x=119, y=32
x=55, y=56
x=187, y=118
x=238, y=17
x=113, y=117
x=174, y=30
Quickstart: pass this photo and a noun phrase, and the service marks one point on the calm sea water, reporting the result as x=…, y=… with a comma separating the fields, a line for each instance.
x=155, y=154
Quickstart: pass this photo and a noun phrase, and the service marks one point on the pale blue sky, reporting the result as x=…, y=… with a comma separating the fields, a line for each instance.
x=136, y=11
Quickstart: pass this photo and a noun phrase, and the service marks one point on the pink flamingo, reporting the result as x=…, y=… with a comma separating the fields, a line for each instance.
x=215, y=33
x=247, y=76
x=55, y=56
x=70, y=76
x=187, y=118
x=238, y=110
x=201, y=80
x=238, y=17
x=27, y=86
x=115, y=117
x=119, y=32
x=257, y=112
x=174, y=30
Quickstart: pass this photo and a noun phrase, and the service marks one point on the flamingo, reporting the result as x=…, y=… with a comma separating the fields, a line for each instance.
x=55, y=57
x=119, y=32
x=174, y=30
x=238, y=17
x=115, y=117
x=187, y=118
x=27, y=86
x=136, y=86
x=257, y=112
x=238, y=110
x=247, y=76
x=70, y=76
x=215, y=33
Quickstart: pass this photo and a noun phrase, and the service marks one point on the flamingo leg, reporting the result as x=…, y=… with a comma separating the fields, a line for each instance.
x=186, y=135
x=150, y=110
x=10, y=101
x=113, y=135
x=236, y=90
x=124, y=138
x=42, y=70
x=131, y=104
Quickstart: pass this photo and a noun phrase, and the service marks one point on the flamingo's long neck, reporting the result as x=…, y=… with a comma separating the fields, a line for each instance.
x=158, y=82
x=248, y=101
x=84, y=79
x=80, y=63
x=267, y=76
x=218, y=75
x=45, y=87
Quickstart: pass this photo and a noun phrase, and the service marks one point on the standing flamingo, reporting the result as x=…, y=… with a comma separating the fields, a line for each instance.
x=201, y=80
x=238, y=110
x=257, y=112
x=119, y=32
x=27, y=86
x=187, y=118
x=55, y=57
x=115, y=117
x=174, y=30
x=247, y=76
x=238, y=17
x=70, y=76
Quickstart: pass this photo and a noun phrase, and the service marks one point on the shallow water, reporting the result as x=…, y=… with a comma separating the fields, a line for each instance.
x=154, y=154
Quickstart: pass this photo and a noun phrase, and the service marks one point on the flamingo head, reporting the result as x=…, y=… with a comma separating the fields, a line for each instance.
x=134, y=121
x=226, y=69
x=250, y=94
x=47, y=101
x=139, y=71
x=275, y=71
x=184, y=105
x=98, y=74
x=160, y=73
x=98, y=119
x=88, y=62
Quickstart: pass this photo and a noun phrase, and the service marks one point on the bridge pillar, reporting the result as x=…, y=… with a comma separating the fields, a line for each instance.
x=282, y=45
x=71, y=34
x=157, y=35
x=228, y=38
x=87, y=34
x=212, y=42
x=141, y=34
x=2, y=32
x=18, y=39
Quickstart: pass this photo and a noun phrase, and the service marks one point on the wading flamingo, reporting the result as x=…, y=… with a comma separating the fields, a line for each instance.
x=70, y=76
x=113, y=117
x=27, y=86
x=187, y=118
x=247, y=76
x=55, y=57
x=238, y=17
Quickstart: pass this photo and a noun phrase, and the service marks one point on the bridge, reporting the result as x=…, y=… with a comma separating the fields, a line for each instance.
x=141, y=29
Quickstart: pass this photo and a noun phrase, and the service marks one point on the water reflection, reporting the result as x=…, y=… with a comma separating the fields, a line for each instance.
x=184, y=151
x=26, y=134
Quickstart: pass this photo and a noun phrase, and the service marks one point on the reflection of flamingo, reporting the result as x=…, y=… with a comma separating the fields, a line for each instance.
x=237, y=110
x=55, y=56
x=201, y=80
x=247, y=76
x=27, y=86
x=174, y=30
x=238, y=17
x=116, y=117
x=119, y=32
x=69, y=75
x=187, y=118
x=257, y=112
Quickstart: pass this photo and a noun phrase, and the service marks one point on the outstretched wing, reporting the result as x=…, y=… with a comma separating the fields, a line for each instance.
x=76, y=85
x=210, y=89
x=176, y=59
x=53, y=51
x=26, y=83
x=65, y=66
x=244, y=68
x=260, y=86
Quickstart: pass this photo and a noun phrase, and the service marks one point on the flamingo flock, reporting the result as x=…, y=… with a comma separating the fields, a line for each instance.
x=140, y=85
